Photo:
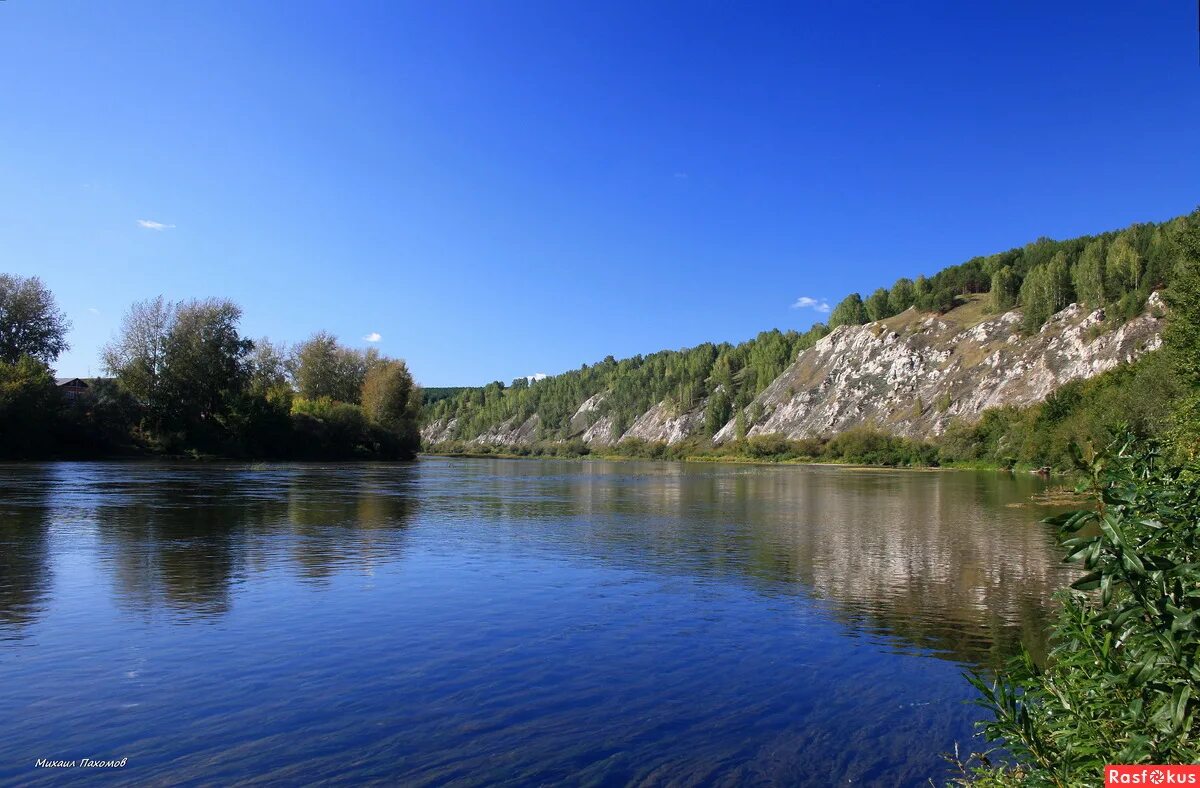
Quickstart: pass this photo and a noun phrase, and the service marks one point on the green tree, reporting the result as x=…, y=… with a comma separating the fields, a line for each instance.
x=1089, y=276
x=29, y=402
x=902, y=295
x=31, y=324
x=1124, y=264
x=323, y=368
x=1005, y=289
x=137, y=357
x=1182, y=339
x=205, y=363
x=850, y=312
x=878, y=305
x=718, y=412
x=1058, y=280
x=391, y=400
x=267, y=367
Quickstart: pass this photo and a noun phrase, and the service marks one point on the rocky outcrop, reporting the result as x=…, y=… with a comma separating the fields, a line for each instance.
x=437, y=432
x=912, y=374
x=661, y=424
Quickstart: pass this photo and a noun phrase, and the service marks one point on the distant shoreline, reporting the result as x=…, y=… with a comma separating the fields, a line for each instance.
x=699, y=460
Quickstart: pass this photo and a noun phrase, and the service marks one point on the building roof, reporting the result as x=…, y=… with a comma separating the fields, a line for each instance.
x=68, y=381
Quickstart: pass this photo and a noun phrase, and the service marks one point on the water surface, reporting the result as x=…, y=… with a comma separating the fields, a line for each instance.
x=524, y=622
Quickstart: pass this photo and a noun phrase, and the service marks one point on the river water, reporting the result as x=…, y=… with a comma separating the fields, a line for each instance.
x=476, y=622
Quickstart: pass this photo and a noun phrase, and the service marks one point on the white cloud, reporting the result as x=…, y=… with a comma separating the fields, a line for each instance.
x=374, y=336
x=808, y=302
x=93, y=310
x=536, y=376
x=150, y=224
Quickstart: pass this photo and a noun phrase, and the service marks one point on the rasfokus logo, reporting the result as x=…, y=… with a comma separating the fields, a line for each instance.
x=1151, y=775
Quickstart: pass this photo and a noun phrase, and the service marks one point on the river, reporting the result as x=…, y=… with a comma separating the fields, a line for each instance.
x=477, y=622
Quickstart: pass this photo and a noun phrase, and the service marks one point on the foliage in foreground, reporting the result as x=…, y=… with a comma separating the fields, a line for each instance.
x=1122, y=684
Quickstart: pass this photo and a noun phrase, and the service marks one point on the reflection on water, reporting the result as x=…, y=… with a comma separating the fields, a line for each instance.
x=520, y=621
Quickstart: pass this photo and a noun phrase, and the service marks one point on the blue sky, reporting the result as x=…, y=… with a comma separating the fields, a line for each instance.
x=497, y=189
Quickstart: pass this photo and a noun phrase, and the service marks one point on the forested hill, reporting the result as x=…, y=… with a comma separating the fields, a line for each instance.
x=711, y=387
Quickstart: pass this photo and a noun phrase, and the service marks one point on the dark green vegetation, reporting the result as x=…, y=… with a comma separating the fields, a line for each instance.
x=1116, y=270
x=432, y=394
x=1122, y=683
x=186, y=381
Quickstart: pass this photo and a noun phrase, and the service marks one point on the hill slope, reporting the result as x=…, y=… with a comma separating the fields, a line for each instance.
x=911, y=374
x=1002, y=329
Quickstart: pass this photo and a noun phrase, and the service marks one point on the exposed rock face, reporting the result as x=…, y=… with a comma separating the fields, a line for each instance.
x=661, y=424
x=912, y=374
x=438, y=431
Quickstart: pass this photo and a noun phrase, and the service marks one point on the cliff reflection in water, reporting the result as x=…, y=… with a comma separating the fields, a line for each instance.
x=957, y=562
x=950, y=561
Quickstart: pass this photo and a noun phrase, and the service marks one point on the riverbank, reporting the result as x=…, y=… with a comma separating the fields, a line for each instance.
x=735, y=459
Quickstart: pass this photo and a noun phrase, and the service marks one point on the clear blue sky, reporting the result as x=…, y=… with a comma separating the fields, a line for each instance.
x=503, y=188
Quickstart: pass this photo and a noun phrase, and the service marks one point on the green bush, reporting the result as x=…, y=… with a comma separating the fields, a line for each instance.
x=1122, y=684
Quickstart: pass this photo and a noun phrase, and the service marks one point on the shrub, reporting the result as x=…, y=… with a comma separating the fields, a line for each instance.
x=1123, y=681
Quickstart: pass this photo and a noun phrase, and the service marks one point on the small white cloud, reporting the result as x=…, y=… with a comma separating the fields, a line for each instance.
x=374, y=336
x=536, y=376
x=150, y=224
x=93, y=310
x=680, y=176
x=808, y=302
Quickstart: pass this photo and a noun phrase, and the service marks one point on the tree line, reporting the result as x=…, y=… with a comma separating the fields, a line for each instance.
x=183, y=379
x=1115, y=270
x=732, y=374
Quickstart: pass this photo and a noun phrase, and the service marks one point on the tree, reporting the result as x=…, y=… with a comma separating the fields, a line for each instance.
x=850, y=312
x=1005, y=288
x=718, y=412
x=1182, y=339
x=1058, y=280
x=267, y=368
x=1036, y=302
x=323, y=368
x=31, y=324
x=878, y=305
x=137, y=357
x=1088, y=275
x=902, y=295
x=391, y=400
x=1124, y=264
x=28, y=403
x=941, y=300
x=205, y=367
